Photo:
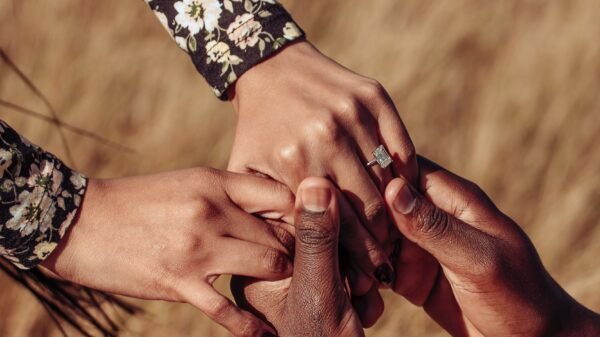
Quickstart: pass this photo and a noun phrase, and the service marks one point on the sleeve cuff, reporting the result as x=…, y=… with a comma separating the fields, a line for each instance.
x=40, y=198
x=225, y=38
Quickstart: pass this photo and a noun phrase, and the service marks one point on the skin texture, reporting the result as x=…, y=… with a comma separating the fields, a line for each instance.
x=314, y=302
x=490, y=281
x=295, y=122
x=169, y=236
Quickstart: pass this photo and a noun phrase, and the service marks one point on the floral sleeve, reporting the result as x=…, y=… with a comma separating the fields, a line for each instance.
x=226, y=37
x=40, y=197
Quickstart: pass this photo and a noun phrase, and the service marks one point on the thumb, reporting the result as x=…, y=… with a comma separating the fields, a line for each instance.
x=455, y=244
x=316, y=267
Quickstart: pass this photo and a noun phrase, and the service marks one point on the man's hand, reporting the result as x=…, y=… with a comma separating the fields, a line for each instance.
x=491, y=281
x=301, y=114
x=313, y=302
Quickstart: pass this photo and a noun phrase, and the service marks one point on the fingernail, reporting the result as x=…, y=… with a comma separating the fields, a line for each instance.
x=268, y=334
x=351, y=275
x=360, y=306
x=405, y=200
x=384, y=274
x=316, y=199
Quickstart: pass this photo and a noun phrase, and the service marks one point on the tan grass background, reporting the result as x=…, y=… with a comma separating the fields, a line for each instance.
x=506, y=93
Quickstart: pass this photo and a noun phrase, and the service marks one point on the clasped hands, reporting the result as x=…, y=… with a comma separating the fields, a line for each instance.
x=316, y=269
x=487, y=278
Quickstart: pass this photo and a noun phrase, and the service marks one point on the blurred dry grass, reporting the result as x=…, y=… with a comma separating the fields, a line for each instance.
x=504, y=92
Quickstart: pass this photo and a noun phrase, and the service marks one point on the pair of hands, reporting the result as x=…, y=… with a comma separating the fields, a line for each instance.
x=169, y=236
x=489, y=281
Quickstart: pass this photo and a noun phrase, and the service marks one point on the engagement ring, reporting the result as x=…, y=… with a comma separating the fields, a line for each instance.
x=381, y=157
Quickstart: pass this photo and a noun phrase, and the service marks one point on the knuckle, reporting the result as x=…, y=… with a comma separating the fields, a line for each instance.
x=219, y=308
x=375, y=210
x=274, y=261
x=190, y=245
x=348, y=107
x=315, y=230
x=325, y=129
x=204, y=174
x=247, y=328
x=291, y=155
x=203, y=208
x=430, y=220
x=408, y=151
x=372, y=89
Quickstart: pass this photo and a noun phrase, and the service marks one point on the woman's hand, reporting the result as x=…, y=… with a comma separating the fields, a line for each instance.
x=301, y=114
x=169, y=236
x=491, y=281
x=312, y=303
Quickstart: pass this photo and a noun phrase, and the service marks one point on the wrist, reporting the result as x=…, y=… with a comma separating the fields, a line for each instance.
x=64, y=259
x=271, y=69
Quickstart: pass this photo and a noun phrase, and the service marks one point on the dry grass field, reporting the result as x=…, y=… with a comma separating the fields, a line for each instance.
x=506, y=93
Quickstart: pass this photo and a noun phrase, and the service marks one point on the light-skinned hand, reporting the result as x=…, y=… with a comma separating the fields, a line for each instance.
x=301, y=114
x=169, y=237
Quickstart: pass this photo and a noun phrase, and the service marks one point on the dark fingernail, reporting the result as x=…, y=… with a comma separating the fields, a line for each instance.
x=316, y=199
x=384, y=274
x=351, y=275
x=405, y=200
x=360, y=306
x=268, y=334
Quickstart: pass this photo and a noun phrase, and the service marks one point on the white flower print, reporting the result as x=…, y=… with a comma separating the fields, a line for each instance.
x=291, y=31
x=7, y=185
x=20, y=181
x=47, y=209
x=181, y=42
x=195, y=15
x=43, y=249
x=218, y=51
x=244, y=31
x=63, y=227
x=5, y=161
x=77, y=180
x=24, y=211
x=40, y=174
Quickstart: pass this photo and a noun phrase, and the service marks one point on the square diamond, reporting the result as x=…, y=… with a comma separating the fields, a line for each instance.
x=382, y=156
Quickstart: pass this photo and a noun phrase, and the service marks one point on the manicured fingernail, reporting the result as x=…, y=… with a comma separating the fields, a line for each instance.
x=351, y=275
x=361, y=306
x=405, y=200
x=384, y=274
x=316, y=199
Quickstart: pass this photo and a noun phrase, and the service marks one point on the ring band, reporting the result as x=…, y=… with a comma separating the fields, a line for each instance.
x=381, y=157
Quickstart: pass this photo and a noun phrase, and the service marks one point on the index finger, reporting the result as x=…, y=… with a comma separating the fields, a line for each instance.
x=262, y=196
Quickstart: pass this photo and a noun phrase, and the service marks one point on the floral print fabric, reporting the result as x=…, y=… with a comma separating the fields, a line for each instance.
x=40, y=197
x=226, y=37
